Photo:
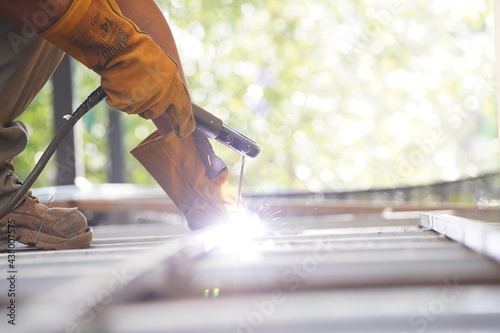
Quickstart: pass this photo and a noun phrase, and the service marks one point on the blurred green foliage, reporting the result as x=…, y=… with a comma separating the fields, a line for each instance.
x=338, y=94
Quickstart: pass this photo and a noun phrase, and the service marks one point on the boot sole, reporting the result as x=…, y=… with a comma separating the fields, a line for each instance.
x=50, y=242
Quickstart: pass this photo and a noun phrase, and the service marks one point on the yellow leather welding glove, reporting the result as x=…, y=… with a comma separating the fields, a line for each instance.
x=136, y=74
x=191, y=174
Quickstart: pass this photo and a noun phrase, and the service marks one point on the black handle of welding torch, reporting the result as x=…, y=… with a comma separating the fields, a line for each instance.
x=92, y=100
x=214, y=128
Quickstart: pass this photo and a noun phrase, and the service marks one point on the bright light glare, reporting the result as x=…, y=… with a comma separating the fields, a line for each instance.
x=233, y=237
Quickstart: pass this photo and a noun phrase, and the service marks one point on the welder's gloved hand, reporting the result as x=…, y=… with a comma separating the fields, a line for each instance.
x=136, y=74
x=195, y=179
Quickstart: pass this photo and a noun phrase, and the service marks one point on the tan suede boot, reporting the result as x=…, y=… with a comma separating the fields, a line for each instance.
x=194, y=178
x=35, y=224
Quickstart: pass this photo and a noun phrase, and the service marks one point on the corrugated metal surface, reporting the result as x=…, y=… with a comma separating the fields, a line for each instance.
x=342, y=273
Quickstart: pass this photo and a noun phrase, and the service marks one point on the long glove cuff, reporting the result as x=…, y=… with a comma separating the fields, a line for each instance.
x=178, y=168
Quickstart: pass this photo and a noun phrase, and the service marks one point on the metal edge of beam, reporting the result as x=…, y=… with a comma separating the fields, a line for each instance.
x=481, y=237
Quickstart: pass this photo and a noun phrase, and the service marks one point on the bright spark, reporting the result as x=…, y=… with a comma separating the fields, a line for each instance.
x=234, y=237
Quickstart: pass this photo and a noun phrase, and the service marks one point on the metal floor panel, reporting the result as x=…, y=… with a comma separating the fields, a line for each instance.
x=447, y=307
x=366, y=273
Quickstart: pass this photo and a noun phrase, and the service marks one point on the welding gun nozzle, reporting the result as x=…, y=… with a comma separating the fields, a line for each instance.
x=213, y=128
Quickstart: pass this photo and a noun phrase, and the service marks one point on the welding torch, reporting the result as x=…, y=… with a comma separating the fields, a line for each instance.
x=211, y=126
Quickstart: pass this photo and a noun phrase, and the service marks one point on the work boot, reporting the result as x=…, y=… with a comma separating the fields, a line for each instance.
x=191, y=174
x=35, y=224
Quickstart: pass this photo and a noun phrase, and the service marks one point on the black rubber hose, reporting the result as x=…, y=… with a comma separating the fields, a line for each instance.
x=92, y=100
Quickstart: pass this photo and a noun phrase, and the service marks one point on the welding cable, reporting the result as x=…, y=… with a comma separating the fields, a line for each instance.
x=208, y=124
x=92, y=100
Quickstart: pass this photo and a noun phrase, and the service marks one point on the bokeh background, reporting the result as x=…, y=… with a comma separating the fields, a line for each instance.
x=340, y=95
